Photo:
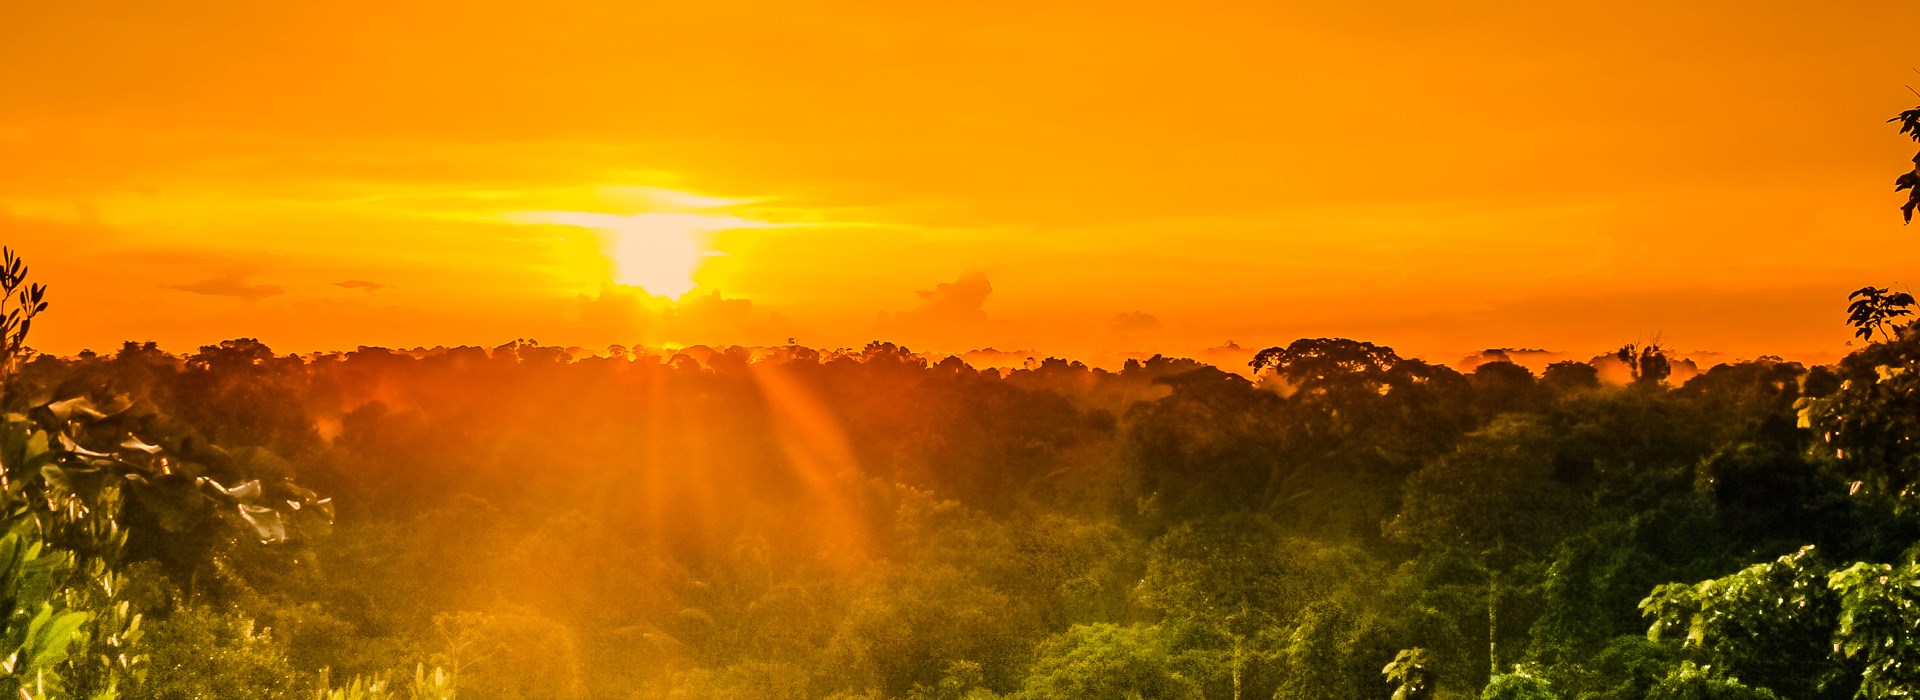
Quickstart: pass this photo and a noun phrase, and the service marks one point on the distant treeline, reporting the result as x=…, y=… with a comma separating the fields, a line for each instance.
x=784, y=523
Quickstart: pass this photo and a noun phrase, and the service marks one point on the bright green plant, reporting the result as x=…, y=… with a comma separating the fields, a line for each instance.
x=1693, y=682
x=1522, y=684
x=436, y=684
x=1879, y=611
x=360, y=688
x=1769, y=623
x=1409, y=674
x=1105, y=661
x=37, y=635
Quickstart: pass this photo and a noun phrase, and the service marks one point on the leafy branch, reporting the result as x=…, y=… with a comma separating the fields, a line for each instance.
x=1909, y=181
x=27, y=300
x=1875, y=308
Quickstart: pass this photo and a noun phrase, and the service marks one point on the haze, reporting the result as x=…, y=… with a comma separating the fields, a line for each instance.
x=1067, y=178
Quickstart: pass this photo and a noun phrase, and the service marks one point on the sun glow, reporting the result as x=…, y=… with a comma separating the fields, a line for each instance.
x=658, y=256
x=657, y=252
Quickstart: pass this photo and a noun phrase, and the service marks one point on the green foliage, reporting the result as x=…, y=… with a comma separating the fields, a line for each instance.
x=963, y=680
x=1232, y=570
x=749, y=680
x=1410, y=674
x=1588, y=593
x=360, y=688
x=1522, y=684
x=1111, y=662
x=37, y=644
x=513, y=652
x=1332, y=651
x=1230, y=580
x=1770, y=623
x=1693, y=682
x=201, y=652
x=1869, y=424
x=437, y=684
x=1879, y=612
x=1496, y=496
x=1793, y=626
x=1627, y=668
x=69, y=470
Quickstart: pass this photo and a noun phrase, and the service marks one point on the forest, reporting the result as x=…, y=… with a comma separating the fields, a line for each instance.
x=1332, y=521
x=530, y=521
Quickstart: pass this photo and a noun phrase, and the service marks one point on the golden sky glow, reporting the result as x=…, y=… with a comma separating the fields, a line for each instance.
x=1078, y=178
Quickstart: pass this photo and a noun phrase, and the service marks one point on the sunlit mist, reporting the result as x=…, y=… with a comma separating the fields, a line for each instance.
x=657, y=252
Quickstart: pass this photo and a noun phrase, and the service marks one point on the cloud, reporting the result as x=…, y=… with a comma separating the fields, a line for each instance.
x=1534, y=359
x=1229, y=356
x=1133, y=322
x=950, y=317
x=985, y=358
x=361, y=285
x=957, y=301
x=233, y=285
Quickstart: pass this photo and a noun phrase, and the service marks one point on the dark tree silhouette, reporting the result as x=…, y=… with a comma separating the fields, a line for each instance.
x=1874, y=308
x=1910, y=180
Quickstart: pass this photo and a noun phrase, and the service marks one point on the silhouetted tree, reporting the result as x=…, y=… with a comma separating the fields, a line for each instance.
x=1873, y=309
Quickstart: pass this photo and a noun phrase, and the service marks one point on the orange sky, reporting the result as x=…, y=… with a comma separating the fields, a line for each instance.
x=1076, y=178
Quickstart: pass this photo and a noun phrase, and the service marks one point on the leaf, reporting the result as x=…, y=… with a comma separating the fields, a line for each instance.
x=77, y=406
x=49, y=645
x=267, y=523
x=249, y=491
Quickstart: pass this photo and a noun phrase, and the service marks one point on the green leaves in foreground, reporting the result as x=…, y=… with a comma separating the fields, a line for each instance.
x=427, y=685
x=34, y=636
x=1798, y=628
x=1409, y=674
x=1879, y=611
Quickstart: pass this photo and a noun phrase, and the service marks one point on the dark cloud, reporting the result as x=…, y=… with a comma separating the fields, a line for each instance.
x=232, y=285
x=361, y=285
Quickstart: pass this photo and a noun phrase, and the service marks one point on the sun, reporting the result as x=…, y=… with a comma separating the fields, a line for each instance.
x=660, y=256
x=657, y=252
